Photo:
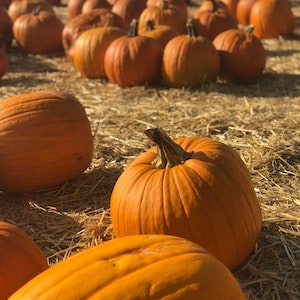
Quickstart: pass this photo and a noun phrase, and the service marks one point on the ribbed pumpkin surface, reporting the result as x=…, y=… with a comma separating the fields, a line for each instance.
x=45, y=140
x=20, y=259
x=136, y=267
x=208, y=199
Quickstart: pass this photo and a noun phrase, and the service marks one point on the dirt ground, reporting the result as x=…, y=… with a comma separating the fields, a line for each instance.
x=260, y=120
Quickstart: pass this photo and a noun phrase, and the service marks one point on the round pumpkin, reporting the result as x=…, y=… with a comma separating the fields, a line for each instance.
x=136, y=267
x=45, y=140
x=243, y=9
x=189, y=60
x=6, y=34
x=20, y=259
x=89, y=5
x=90, y=48
x=21, y=7
x=242, y=55
x=98, y=17
x=133, y=59
x=193, y=187
x=38, y=32
x=272, y=18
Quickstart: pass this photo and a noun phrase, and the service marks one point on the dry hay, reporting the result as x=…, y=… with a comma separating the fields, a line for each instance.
x=261, y=122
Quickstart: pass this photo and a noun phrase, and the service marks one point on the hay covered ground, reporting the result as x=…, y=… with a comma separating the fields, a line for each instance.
x=261, y=122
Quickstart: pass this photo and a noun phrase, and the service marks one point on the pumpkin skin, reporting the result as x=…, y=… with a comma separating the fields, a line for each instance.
x=74, y=8
x=90, y=48
x=136, y=267
x=133, y=59
x=89, y=5
x=272, y=18
x=98, y=17
x=20, y=260
x=51, y=144
x=38, y=32
x=242, y=55
x=208, y=198
x=21, y=7
x=243, y=9
x=189, y=61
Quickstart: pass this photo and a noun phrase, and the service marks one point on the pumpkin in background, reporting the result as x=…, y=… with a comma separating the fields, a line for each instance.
x=4, y=61
x=242, y=55
x=272, y=18
x=189, y=60
x=74, y=8
x=194, y=187
x=6, y=34
x=209, y=23
x=161, y=33
x=98, y=17
x=20, y=259
x=129, y=9
x=231, y=6
x=89, y=5
x=136, y=267
x=90, y=48
x=45, y=140
x=164, y=14
x=209, y=5
x=133, y=59
x=38, y=32
x=243, y=9
x=21, y=7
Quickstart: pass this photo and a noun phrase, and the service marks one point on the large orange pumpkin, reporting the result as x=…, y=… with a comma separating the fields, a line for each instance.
x=45, y=140
x=140, y=267
x=195, y=188
x=20, y=259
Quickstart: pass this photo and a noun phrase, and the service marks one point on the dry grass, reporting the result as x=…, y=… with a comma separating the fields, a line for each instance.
x=261, y=121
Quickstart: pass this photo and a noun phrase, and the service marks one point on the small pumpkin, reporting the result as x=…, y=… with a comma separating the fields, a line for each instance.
x=272, y=18
x=6, y=34
x=21, y=259
x=38, y=32
x=133, y=59
x=45, y=140
x=189, y=60
x=21, y=7
x=242, y=55
x=164, y=14
x=97, y=17
x=136, y=267
x=209, y=23
x=90, y=48
x=89, y=5
x=194, y=187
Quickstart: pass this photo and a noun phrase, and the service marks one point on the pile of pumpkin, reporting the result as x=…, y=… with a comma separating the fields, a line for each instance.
x=184, y=213
x=134, y=42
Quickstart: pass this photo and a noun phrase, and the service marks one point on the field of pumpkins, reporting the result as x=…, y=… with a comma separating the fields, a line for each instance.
x=150, y=149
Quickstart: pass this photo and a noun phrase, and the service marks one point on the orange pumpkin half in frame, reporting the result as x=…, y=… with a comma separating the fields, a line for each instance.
x=193, y=187
x=20, y=259
x=45, y=140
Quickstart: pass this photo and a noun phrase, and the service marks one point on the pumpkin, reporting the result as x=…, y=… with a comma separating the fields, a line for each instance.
x=38, y=32
x=6, y=34
x=98, y=17
x=20, y=7
x=4, y=61
x=89, y=5
x=231, y=6
x=90, y=48
x=209, y=5
x=164, y=14
x=243, y=9
x=45, y=140
x=74, y=8
x=194, y=187
x=20, y=259
x=133, y=59
x=209, y=23
x=189, y=60
x=242, y=55
x=136, y=267
x=272, y=18
x=129, y=9
x=162, y=33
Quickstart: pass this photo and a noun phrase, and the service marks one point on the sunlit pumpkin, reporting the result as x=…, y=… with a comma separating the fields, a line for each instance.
x=193, y=187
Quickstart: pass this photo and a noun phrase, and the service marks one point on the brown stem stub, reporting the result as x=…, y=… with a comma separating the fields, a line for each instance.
x=169, y=153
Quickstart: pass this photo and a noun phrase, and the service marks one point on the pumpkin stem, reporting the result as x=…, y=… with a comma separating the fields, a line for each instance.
x=163, y=4
x=214, y=6
x=191, y=30
x=169, y=154
x=249, y=29
x=36, y=10
x=133, y=28
x=149, y=25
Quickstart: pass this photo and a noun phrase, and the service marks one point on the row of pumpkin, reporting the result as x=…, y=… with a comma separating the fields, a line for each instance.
x=159, y=44
x=193, y=188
